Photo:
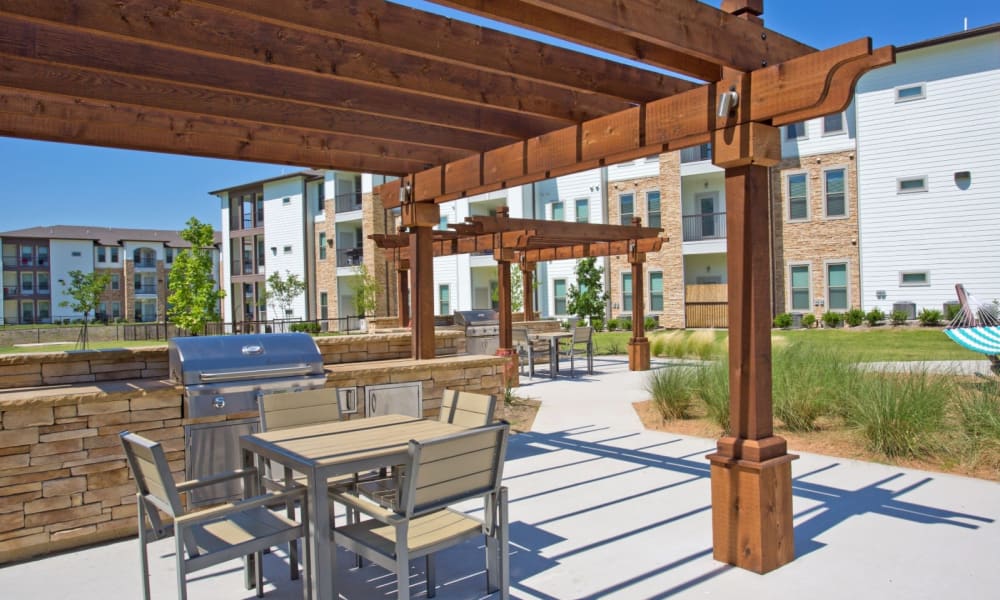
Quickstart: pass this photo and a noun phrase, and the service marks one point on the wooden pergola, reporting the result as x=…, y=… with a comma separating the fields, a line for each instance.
x=456, y=110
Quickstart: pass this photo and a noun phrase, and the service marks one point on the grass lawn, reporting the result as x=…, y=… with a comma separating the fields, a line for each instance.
x=67, y=347
x=879, y=344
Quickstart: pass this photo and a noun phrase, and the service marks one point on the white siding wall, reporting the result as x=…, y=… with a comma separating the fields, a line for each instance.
x=224, y=277
x=284, y=227
x=952, y=233
x=62, y=262
x=818, y=142
x=635, y=169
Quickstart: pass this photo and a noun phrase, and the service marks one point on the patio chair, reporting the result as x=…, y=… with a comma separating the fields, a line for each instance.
x=441, y=472
x=582, y=336
x=527, y=349
x=212, y=535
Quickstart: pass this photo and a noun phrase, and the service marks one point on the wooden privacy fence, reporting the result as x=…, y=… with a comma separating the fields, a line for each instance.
x=706, y=305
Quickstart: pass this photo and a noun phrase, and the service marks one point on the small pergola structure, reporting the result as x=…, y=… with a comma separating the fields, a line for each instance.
x=526, y=242
x=456, y=110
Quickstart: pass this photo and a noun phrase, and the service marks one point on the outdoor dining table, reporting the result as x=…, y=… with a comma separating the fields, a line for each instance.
x=553, y=337
x=327, y=450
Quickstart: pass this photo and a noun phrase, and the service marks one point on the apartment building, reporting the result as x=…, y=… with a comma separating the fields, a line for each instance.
x=37, y=262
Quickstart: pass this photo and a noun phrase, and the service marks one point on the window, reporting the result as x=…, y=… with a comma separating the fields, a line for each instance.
x=26, y=255
x=558, y=212
x=322, y=246
x=656, y=291
x=798, y=199
x=653, y=209
x=908, y=185
x=286, y=201
x=102, y=254
x=443, y=224
x=835, y=192
x=114, y=255
x=287, y=249
x=626, y=291
x=833, y=124
x=836, y=286
x=259, y=205
x=582, y=210
x=102, y=310
x=44, y=313
x=914, y=278
x=43, y=283
x=168, y=252
x=444, y=300
x=27, y=311
x=75, y=253
x=799, y=284
x=907, y=93
x=27, y=283
x=116, y=310
x=559, y=296
x=43, y=256
x=116, y=281
x=795, y=131
x=626, y=208
x=324, y=309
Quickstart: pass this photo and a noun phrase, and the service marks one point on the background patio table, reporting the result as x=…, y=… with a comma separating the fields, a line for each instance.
x=330, y=449
x=553, y=337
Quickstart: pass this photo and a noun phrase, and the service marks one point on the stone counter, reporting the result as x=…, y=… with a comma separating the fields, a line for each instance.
x=63, y=478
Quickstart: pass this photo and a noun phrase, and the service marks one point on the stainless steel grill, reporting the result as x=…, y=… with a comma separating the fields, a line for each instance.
x=482, y=330
x=224, y=375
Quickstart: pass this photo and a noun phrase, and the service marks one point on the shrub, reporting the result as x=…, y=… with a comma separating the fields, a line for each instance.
x=671, y=389
x=898, y=413
x=854, y=317
x=650, y=323
x=832, y=319
x=783, y=321
x=898, y=317
x=929, y=317
x=874, y=317
x=712, y=385
x=564, y=325
x=624, y=323
x=597, y=324
x=613, y=325
x=808, y=320
x=306, y=327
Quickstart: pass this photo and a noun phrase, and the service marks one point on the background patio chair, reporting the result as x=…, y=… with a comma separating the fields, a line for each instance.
x=580, y=343
x=527, y=349
x=441, y=472
x=212, y=535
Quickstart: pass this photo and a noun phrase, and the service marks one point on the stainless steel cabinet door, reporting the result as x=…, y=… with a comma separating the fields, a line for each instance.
x=395, y=399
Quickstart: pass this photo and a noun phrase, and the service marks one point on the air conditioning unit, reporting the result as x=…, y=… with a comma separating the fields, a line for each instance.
x=796, y=320
x=909, y=308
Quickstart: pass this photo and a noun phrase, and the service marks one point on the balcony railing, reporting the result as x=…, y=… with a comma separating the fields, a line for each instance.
x=348, y=202
x=706, y=226
x=145, y=264
x=10, y=290
x=10, y=261
x=696, y=153
x=149, y=288
x=350, y=257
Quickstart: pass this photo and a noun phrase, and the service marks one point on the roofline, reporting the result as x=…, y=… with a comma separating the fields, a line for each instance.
x=307, y=174
x=951, y=37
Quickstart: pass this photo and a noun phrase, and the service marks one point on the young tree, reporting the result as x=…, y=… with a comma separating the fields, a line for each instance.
x=366, y=292
x=85, y=291
x=587, y=298
x=282, y=291
x=516, y=289
x=194, y=296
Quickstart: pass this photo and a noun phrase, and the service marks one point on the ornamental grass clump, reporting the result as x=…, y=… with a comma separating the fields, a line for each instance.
x=979, y=414
x=672, y=389
x=809, y=382
x=899, y=414
x=712, y=385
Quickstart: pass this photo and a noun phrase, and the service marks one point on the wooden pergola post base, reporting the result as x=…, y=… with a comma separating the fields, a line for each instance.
x=638, y=354
x=638, y=345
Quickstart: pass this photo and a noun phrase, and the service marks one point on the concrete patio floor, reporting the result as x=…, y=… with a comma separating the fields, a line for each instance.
x=601, y=508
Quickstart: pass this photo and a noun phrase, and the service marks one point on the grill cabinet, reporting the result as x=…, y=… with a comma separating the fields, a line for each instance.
x=482, y=330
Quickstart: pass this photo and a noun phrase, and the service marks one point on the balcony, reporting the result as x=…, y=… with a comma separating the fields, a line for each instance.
x=696, y=153
x=350, y=257
x=148, y=288
x=10, y=261
x=706, y=226
x=10, y=290
x=348, y=202
x=145, y=264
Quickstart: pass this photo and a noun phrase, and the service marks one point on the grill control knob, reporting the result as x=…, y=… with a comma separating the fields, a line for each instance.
x=219, y=402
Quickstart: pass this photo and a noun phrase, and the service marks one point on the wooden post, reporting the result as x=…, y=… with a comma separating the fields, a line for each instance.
x=638, y=345
x=528, y=289
x=751, y=470
x=403, y=291
x=419, y=218
x=504, y=256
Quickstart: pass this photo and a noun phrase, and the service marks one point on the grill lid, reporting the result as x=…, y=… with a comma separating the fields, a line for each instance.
x=219, y=358
x=484, y=316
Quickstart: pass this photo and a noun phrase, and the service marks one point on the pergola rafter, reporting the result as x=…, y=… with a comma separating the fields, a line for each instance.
x=457, y=109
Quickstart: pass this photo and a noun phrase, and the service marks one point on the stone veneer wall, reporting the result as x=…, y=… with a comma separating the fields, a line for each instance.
x=819, y=239
x=63, y=478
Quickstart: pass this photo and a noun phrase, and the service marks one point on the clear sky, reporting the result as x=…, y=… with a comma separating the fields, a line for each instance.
x=60, y=184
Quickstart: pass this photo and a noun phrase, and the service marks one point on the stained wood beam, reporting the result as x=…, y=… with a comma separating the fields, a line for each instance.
x=60, y=44
x=822, y=82
x=685, y=36
x=287, y=46
x=518, y=241
x=72, y=120
x=168, y=96
x=591, y=250
x=423, y=34
x=591, y=232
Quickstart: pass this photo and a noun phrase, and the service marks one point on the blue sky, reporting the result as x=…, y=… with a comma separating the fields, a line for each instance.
x=61, y=184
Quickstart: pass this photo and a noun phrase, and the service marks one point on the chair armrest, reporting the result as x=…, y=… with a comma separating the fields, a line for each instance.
x=231, y=508
x=185, y=486
x=371, y=509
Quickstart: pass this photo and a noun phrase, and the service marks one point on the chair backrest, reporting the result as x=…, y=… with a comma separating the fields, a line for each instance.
x=453, y=468
x=582, y=334
x=467, y=409
x=303, y=407
x=152, y=473
x=519, y=335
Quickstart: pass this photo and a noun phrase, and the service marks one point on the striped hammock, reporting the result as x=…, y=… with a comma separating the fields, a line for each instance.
x=975, y=327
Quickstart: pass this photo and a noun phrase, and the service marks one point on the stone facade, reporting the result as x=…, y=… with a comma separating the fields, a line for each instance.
x=379, y=261
x=326, y=268
x=817, y=240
